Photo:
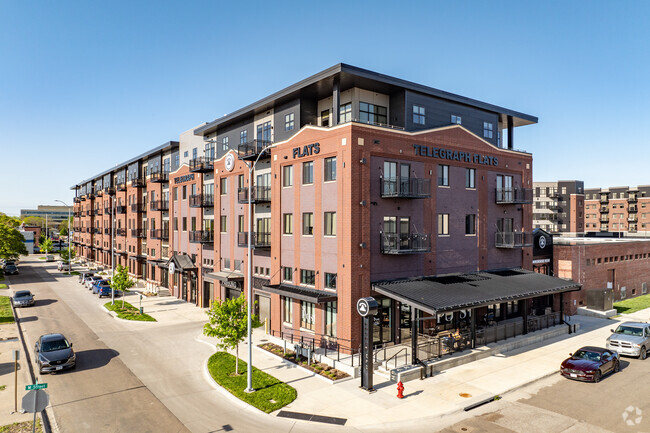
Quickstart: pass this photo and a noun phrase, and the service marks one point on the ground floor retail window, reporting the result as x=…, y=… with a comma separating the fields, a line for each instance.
x=288, y=310
x=307, y=315
x=330, y=319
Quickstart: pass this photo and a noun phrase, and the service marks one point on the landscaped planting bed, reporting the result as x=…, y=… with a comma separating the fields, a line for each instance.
x=316, y=367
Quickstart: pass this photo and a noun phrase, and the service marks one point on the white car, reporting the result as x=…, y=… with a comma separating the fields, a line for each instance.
x=49, y=258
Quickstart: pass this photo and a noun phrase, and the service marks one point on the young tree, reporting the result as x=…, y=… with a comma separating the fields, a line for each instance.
x=228, y=322
x=122, y=281
x=47, y=246
x=41, y=238
x=64, y=253
x=12, y=243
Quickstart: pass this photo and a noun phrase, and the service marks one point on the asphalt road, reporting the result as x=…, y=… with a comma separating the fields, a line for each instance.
x=558, y=405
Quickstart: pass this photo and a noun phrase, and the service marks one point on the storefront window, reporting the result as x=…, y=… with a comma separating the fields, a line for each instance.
x=330, y=319
x=307, y=315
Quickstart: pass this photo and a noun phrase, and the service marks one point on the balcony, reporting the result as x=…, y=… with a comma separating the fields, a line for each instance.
x=121, y=186
x=159, y=177
x=632, y=208
x=556, y=195
x=201, y=164
x=138, y=182
x=260, y=239
x=138, y=233
x=108, y=211
x=604, y=209
x=632, y=198
x=159, y=205
x=253, y=148
x=632, y=218
x=405, y=187
x=120, y=209
x=138, y=207
x=604, y=218
x=109, y=190
x=604, y=198
x=556, y=208
x=202, y=236
x=514, y=195
x=77, y=213
x=159, y=234
x=120, y=232
x=96, y=231
x=107, y=231
x=603, y=227
x=76, y=200
x=513, y=239
x=632, y=228
x=89, y=212
x=260, y=194
x=98, y=211
x=202, y=200
x=404, y=243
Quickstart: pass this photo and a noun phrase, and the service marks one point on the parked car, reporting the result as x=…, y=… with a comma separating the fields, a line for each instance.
x=63, y=265
x=4, y=263
x=106, y=291
x=631, y=339
x=23, y=298
x=84, y=274
x=590, y=364
x=49, y=258
x=97, y=285
x=92, y=280
x=53, y=352
x=11, y=269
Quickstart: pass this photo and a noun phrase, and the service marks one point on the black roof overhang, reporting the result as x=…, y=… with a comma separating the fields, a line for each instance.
x=301, y=293
x=448, y=293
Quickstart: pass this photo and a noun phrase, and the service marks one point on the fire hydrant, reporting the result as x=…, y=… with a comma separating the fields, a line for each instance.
x=400, y=389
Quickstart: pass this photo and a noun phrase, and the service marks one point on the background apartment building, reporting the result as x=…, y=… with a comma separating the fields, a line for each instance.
x=559, y=207
x=621, y=210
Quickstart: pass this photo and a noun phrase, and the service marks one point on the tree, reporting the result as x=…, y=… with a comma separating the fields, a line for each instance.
x=63, y=226
x=228, y=322
x=41, y=238
x=46, y=246
x=64, y=253
x=122, y=281
x=9, y=221
x=34, y=221
x=12, y=243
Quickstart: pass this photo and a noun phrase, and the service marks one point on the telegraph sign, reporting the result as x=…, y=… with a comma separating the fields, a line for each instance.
x=367, y=306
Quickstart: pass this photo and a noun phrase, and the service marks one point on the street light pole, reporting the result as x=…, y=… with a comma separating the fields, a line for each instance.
x=69, y=260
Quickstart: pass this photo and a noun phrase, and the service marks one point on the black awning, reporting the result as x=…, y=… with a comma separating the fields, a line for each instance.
x=182, y=263
x=301, y=293
x=224, y=276
x=454, y=292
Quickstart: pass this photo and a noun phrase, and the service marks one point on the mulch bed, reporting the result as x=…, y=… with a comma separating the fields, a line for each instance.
x=316, y=367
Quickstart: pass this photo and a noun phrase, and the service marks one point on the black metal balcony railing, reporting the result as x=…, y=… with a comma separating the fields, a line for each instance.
x=632, y=218
x=108, y=211
x=556, y=195
x=513, y=239
x=120, y=231
x=405, y=187
x=82, y=197
x=121, y=186
x=138, y=207
x=405, y=243
x=604, y=198
x=159, y=205
x=514, y=195
x=604, y=209
x=253, y=148
x=202, y=164
x=159, y=234
x=96, y=231
x=76, y=200
x=159, y=177
x=91, y=195
x=109, y=190
x=632, y=208
x=603, y=227
x=138, y=182
x=604, y=218
x=107, y=231
x=98, y=211
x=632, y=228
x=120, y=209
x=202, y=200
x=555, y=208
x=138, y=233
x=260, y=194
x=260, y=239
x=202, y=236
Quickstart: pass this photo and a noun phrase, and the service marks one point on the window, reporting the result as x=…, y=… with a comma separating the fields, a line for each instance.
x=372, y=113
x=456, y=119
x=443, y=223
x=287, y=228
x=184, y=224
x=287, y=175
x=330, y=169
x=345, y=113
x=240, y=224
x=288, y=310
x=195, y=153
x=418, y=115
x=470, y=224
x=224, y=144
x=470, y=178
x=443, y=175
x=176, y=223
x=264, y=132
x=330, y=319
x=193, y=224
x=223, y=226
x=307, y=224
x=488, y=130
x=330, y=224
x=325, y=118
x=223, y=184
x=330, y=281
x=175, y=193
x=177, y=160
x=307, y=315
x=184, y=192
x=289, y=122
x=287, y=274
x=307, y=277
x=308, y=172
x=243, y=137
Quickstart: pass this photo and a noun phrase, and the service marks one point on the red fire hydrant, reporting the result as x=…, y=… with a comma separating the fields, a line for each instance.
x=400, y=389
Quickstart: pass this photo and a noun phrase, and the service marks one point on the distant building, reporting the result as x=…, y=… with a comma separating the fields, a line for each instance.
x=623, y=210
x=559, y=207
x=54, y=214
x=29, y=240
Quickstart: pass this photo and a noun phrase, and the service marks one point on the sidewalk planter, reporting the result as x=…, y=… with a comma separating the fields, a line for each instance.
x=318, y=368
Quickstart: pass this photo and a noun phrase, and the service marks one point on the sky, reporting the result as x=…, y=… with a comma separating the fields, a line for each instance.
x=85, y=85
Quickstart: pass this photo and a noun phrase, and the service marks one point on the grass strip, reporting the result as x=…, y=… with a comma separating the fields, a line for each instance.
x=633, y=305
x=3, y=286
x=22, y=427
x=6, y=315
x=270, y=393
x=129, y=312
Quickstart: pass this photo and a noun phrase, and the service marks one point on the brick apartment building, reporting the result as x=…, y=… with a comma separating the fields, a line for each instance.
x=622, y=210
x=559, y=207
x=362, y=182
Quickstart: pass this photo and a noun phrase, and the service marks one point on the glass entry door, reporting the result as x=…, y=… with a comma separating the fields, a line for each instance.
x=383, y=326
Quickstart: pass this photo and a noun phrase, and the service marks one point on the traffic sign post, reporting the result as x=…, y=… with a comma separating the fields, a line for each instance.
x=36, y=386
x=16, y=356
x=35, y=400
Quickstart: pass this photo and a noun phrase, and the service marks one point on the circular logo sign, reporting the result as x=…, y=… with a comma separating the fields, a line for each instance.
x=172, y=267
x=367, y=306
x=230, y=162
x=542, y=242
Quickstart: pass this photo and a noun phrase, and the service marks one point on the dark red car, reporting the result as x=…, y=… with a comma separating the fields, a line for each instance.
x=590, y=364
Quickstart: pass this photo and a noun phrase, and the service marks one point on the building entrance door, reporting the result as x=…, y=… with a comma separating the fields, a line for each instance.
x=193, y=290
x=263, y=308
x=207, y=295
x=383, y=329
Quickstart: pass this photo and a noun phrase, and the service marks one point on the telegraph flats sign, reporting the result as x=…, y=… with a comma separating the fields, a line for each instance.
x=455, y=155
x=185, y=178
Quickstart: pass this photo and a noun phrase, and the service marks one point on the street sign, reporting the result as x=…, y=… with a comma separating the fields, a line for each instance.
x=35, y=401
x=36, y=386
x=367, y=306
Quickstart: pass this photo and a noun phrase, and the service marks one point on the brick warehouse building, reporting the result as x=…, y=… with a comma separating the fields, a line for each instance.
x=362, y=181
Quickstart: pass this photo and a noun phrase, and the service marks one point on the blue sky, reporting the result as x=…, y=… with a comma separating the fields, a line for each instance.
x=86, y=85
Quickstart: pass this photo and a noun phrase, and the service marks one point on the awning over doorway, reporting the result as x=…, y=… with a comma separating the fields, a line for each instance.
x=454, y=292
x=301, y=293
x=223, y=276
x=182, y=263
